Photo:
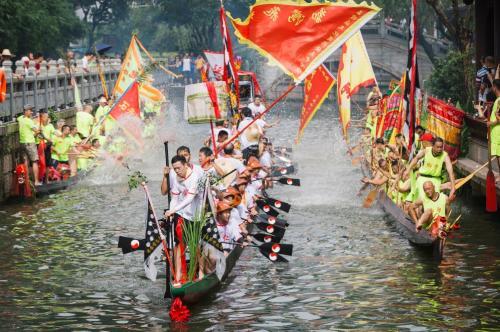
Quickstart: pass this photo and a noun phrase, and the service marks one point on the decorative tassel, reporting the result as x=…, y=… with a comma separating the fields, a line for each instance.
x=178, y=311
x=491, y=193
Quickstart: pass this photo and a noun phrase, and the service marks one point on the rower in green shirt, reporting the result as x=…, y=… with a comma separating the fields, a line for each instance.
x=433, y=159
x=100, y=113
x=494, y=124
x=85, y=121
x=61, y=147
x=27, y=132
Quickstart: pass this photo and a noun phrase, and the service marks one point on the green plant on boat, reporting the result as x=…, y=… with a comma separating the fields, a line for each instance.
x=192, y=237
x=136, y=179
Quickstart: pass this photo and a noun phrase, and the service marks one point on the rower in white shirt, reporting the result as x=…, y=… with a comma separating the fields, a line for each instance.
x=257, y=106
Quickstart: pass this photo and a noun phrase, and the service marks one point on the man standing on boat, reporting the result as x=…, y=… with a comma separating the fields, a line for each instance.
x=27, y=132
x=494, y=124
x=186, y=202
x=436, y=207
x=433, y=159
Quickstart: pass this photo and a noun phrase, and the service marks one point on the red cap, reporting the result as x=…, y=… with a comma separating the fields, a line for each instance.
x=427, y=137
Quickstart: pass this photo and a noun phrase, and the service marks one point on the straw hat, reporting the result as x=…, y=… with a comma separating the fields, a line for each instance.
x=6, y=52
x=254, y=164
x=232, y=191
x=222, y=206
x=227, y=167
x=252, y=133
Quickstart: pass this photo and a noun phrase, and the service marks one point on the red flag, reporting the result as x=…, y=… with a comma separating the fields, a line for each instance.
x=230, y=71
x=128, y=104
x=127, y=112
x=316, y=88
x=299, y=37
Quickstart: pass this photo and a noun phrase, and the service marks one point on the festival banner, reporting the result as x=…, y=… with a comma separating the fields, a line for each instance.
x=316, y=89
x=299, y=36
x=230, y=73
x=355, y=71
x=445, y=121
x=216, y=63
x=391, y=120
x=132, y=66
x=127, y=113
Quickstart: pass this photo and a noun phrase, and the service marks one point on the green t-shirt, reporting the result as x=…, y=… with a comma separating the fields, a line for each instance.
x=495, y=130
x=75, y=139
x=26, y=134
x=48, y=131
x=100, y=112
x=84, y=123
x=61, y=147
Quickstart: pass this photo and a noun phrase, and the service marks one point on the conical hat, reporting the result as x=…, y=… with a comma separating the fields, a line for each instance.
x=227, y=167
x=252, y=133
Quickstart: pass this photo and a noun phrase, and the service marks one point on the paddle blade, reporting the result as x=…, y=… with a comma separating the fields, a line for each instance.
x=355, y=161
x=370, y=198
x=283, y=206
x=491, y=193
x=273, y=220
x=271, y=229
x=289, y=181
x=266, y=238
x=266, y=208
x=128, y=244
x=273, y=257
x=281, y=170
x=278, y=248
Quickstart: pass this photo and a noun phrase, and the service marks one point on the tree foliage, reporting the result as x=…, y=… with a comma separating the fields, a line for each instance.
x=97, y=13
x=447, y=79
x=38, y=26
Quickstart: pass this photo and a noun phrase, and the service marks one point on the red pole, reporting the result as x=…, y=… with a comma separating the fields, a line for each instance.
x=214, y=144
x=239, y=132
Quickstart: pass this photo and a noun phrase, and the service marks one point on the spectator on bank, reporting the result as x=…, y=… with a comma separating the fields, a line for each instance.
x=85, y=61
x=186, y=68
x=6, y=56
x=27, y=132
x=486, y=72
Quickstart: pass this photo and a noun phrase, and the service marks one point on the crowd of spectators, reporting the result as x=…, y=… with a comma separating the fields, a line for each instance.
x=489, y=71
x=188, y=66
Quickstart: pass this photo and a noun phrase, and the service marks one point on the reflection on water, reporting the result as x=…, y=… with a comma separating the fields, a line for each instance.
x=60, y=267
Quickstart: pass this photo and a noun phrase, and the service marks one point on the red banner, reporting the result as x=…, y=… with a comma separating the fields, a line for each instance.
x=127, y=113
x=445, y=121
x=300, y=36
x=128, y=104
x=316, y=89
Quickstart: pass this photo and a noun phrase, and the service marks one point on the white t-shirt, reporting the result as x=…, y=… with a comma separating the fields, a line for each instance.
x=228, y=233
x=85, y=63
x=186, y=198
x=235, y=163
x=245, y=139
x=265, y=159
x=186, y=64
x=257, y=109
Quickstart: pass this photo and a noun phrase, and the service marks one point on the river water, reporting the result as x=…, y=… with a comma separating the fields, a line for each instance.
x=60, y=268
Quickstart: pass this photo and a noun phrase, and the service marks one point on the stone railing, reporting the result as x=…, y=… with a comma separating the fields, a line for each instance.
x=50, y=86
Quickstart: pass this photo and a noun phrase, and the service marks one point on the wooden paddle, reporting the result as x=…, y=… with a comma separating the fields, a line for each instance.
x=460, y=182
x=273, y=220
x=266, y=208
x=266, y=237
x=283, y=206
x=371, y=197
x=280, y=171
x=279, y=248
x=491, y=190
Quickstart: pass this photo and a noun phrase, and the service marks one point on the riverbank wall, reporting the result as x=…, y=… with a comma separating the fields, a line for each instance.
x=48, y=89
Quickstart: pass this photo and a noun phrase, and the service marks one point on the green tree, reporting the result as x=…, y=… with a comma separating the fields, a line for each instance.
x=38, y=26
x=97, y=13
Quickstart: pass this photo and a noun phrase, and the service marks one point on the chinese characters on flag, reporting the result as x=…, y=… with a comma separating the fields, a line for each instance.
x=127, y=113
x=316, y=89
x=299, y=37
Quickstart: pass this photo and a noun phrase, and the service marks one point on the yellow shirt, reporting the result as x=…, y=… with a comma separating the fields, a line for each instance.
x=100, y=112
x=26, y=134
x=61, y=147
x=495, y=130
x=48, y=131
x=432, y=165
x=438, y=207
x=84, y=123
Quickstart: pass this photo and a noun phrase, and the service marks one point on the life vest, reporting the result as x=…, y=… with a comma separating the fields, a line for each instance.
x=21, y=182
x=3, y=86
